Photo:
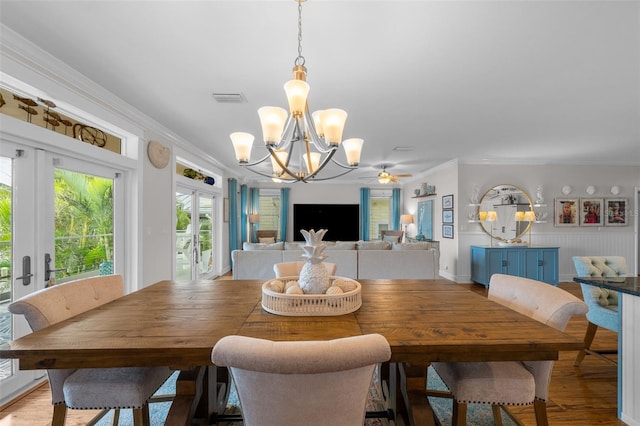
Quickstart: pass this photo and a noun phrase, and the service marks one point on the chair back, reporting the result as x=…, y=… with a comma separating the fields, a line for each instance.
x=266, y=233
x=602, y=302
x=543, y=302
x=292, y=269
x=392, y=234
x=307, y=382
x=57, y=303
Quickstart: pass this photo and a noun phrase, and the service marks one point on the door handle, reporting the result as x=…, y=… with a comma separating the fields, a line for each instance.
x=47, y=269
x=26, y=271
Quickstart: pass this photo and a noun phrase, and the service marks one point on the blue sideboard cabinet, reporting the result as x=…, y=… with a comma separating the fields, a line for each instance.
x=537, y=263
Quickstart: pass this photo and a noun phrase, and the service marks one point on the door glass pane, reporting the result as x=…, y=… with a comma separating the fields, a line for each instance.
x=184, y=205
x=5, y=260
x=83, y=225
x=380, y=219
x=205, y=236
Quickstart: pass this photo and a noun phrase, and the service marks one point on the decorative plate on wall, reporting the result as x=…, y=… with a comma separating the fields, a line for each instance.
x=159, y=154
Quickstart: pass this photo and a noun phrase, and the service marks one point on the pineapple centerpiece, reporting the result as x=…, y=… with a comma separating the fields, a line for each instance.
x=314, y=277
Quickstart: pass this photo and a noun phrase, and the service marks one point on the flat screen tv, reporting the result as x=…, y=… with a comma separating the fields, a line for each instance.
x=342, y=221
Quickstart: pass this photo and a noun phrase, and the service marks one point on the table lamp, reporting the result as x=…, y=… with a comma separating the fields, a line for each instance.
x=253, y=219
x=491, y=216
x=530, y=216
x=406, y=220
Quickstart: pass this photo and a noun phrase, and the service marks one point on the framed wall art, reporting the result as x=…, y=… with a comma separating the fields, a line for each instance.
x=425, y=219
x=447, y=216
x=591, y=212
x=447, y=231
x=566, y=212
x=616, y=212
x=447, y=201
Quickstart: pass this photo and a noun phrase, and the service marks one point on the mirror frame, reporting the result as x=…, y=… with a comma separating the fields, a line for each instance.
x=486, y=226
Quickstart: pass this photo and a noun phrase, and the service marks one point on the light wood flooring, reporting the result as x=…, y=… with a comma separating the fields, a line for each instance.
x=578, y=396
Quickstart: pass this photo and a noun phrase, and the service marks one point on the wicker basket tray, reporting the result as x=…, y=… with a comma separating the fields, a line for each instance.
x=311, y=304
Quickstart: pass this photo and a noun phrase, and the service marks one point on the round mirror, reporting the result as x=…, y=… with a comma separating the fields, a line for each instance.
x=502, y=212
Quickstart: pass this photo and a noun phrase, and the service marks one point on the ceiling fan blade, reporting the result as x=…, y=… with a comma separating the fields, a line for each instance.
x=393, y=179
x=403, y=175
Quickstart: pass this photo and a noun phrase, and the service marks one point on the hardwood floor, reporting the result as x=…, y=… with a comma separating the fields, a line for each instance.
x=578, y=396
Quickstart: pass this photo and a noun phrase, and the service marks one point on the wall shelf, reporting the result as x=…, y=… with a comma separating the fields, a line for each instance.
x=425, y=195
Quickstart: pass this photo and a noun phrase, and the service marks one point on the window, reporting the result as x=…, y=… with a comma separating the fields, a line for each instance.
x=380, y=208
x=269, y=210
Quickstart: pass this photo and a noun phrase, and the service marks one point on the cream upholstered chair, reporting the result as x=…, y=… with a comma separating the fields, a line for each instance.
x=302, y=383
x=511, y=382
x=602, y=303
x=392, y=235
x=89, y=388
x=292, y=269
x=268, y=234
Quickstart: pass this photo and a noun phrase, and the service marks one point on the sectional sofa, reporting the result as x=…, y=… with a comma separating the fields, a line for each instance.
x=357, y=260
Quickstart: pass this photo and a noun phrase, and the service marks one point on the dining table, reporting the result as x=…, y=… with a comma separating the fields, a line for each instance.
x=176, y=324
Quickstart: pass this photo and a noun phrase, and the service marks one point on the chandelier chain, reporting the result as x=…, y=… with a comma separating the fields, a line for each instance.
x=300, y=59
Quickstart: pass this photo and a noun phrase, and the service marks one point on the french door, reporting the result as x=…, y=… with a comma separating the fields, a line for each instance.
x=195, y=256
x=59, y=221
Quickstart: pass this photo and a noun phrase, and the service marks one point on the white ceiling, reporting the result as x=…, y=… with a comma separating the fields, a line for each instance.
x=502, y=82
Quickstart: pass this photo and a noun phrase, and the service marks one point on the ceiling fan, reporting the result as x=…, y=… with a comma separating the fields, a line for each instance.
x=385, y=177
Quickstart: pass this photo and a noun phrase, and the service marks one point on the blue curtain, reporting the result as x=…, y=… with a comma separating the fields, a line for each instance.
x=365, y=212
x=395, y=208
x=284, y=212
x=233, y=216
x=243, y=211
x=254, y=208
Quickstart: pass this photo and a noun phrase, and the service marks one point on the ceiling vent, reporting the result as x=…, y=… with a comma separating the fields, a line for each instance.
x=229, y=97
x=403, y=148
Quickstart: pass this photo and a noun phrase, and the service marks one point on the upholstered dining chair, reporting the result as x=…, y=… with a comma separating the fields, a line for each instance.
x=292, y=269
x=511, y=382
x=302, y=383
x=89, y=388
x=266, y=234
x=602, y=302
x=391, y=235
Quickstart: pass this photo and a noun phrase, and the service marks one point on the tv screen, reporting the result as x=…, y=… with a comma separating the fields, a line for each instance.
x=342, y=221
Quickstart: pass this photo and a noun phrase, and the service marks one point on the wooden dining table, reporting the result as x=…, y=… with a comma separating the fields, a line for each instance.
x=177, y=324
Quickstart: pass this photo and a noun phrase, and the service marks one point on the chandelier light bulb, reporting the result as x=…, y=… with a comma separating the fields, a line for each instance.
x=272, y=120
x=242, y=143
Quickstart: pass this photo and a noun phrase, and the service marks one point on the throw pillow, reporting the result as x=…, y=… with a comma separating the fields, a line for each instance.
x=374, y=245
x=261, y=246
x=391, y=238
x=411, y=246
x=267, y=240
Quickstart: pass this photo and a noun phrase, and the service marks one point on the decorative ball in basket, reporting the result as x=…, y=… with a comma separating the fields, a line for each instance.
x=314, y=291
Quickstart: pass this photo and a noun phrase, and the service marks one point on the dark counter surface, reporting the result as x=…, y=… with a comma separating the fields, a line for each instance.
x=629, y=285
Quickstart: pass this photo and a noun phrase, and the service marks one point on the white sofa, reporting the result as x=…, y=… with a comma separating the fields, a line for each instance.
x=357, y=260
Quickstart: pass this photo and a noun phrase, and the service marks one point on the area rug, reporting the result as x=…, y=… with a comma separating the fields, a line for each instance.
x=477, y=414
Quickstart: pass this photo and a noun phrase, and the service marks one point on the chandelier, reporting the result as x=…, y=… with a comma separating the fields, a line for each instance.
x=299, y=144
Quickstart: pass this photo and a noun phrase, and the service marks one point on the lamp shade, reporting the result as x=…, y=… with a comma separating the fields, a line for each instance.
x=530, y=216
x=519, y=216
x=272, y=120
x=482, y=215
x=492, y=216
x=282, y=156
x=353, y=149
x=242, y=143
x=333, y=124
x=406, y=219
x=254, y=218
x=297, y=92
x=315, y=161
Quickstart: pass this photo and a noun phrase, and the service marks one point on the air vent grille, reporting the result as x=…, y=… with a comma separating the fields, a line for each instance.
x=227, y=97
